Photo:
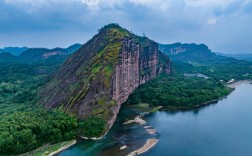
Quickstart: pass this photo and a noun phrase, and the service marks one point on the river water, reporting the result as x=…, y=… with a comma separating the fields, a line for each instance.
x=220, y=129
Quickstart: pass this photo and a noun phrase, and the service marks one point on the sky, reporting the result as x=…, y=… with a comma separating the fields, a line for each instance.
x=224, y=25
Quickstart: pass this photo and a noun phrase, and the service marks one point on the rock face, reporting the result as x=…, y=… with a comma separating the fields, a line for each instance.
x=188, y=52
x=99, y=77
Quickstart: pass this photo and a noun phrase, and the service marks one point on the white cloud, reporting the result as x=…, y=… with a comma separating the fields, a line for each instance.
x=212, y=21
x=162, y=20
x=162, y=5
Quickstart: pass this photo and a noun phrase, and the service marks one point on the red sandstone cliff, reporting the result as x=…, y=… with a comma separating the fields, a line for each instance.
x=99, y=77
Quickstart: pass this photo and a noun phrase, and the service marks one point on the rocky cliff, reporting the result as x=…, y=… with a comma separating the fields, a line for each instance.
x=99, y=77
x=188, y=52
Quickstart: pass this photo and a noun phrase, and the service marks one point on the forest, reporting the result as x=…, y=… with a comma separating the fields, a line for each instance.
x=25, y=125
x=178, y=91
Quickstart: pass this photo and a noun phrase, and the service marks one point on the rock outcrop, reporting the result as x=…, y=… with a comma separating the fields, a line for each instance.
x=188, y=52
x=99, y=77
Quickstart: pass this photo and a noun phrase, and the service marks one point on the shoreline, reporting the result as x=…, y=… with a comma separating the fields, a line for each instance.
x=150, y=143
x=147, y=146
x=237, y=83
x=137, y=119
x=64, y=147
x=94, y=138
x=181, y=108
x=50, y=149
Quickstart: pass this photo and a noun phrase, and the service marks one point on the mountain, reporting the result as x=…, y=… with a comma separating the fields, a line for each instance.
x=14, y=50
x=7, y=57
x=193, y=58
x=98, y=78
x=35, y=55
x=73, y=48
x=188, y=52
x=246, y=57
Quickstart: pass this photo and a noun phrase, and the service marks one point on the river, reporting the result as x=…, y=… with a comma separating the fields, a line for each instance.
x=223, y=128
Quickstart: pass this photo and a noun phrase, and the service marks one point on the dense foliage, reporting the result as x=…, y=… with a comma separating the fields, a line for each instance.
x=24, y=125
x=224, y=69
x=92, y=127
x=24, y=131
x=178, y=91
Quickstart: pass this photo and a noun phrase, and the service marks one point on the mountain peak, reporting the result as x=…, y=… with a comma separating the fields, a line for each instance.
x=99, y=77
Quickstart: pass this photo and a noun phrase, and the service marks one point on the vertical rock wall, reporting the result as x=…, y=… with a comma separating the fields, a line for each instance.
x=137, y=65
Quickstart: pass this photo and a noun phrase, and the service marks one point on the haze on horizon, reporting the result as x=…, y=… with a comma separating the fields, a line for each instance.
x=223, y=25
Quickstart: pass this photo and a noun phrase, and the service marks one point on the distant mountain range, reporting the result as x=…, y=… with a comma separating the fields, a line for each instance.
x=188, y=52
x=197, y=52
x=35, y=55
x=246, y=57
x=14, y=50
x=194, y=58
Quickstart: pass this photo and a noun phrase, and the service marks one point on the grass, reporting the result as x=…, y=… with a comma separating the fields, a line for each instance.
x=143, y=105
x=47, y=149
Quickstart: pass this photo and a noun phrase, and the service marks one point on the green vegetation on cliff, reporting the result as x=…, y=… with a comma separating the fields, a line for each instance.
x=93, y=82
x=26, y=125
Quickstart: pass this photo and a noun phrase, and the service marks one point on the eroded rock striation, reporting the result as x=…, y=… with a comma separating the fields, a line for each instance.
x=99, y=77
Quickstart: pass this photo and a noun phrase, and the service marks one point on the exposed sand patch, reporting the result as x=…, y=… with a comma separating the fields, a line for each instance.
x=148, y=145
x=149, y=142
x=123, y=147
x=136, y=120
x=147, y=127
x=151, y=131
x=235, y=84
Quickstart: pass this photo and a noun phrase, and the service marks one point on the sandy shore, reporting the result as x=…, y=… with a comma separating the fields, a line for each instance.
x=148, y=145
x=136, y=120
x=151, y=131
x=149, y=142
x=235, y=84
x=123, y=147
x=63, y=148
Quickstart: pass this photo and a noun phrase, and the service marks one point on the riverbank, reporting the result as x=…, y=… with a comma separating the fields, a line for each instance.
x=144, y=109
x=136, y=120
x=147, y=146
x=94, y=138
x=71, y=143
x=179, y=108
x=50, y=150
x=237, y=83
x=150, y=143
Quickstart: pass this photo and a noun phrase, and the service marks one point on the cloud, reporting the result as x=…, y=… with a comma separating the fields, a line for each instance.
x=66, y=21
x=212, y=21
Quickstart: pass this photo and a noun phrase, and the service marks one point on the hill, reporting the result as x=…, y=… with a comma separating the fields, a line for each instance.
x=37, y=55
x=14, y=50
x=193, y=58
x=246, y=57
x=98, y=78
x=7, y=57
